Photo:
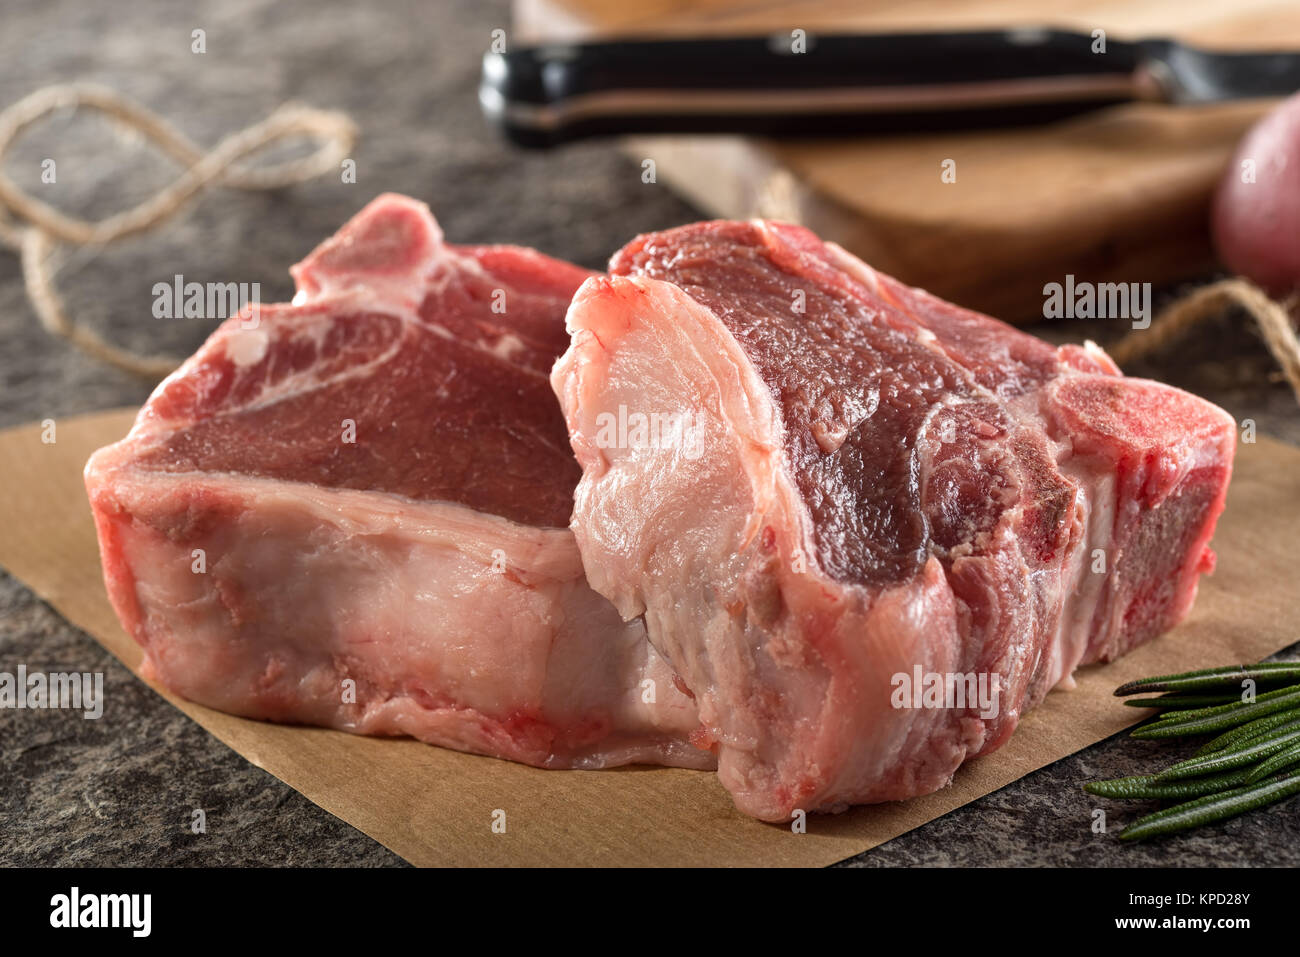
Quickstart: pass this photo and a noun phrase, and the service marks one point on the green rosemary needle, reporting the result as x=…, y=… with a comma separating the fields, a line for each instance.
x=1146, y=787
x=1181, y=702
x=1281, y=761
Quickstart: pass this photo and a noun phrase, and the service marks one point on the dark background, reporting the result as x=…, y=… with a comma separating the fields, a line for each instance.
x=119, y=791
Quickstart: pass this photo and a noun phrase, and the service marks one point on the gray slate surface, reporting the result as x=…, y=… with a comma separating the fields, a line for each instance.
x=120, y=791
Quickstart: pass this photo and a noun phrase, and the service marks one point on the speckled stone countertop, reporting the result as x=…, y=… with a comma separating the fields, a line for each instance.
x=82, y=792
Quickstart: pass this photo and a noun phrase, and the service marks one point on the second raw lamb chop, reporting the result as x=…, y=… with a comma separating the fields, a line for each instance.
x=870, y=529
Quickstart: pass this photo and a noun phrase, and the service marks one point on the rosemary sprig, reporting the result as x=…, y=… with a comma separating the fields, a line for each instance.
x=1212, y=807
x=1253, y=761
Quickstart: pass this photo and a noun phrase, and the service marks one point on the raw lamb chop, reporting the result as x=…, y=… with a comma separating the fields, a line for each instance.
x=351, y=511
x=855, y=490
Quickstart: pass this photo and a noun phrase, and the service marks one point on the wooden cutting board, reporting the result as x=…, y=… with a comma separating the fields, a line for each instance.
x=1117, y=196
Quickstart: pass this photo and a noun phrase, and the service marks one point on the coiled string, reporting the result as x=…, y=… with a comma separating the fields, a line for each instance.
x=35, y=229
x=1208, y=302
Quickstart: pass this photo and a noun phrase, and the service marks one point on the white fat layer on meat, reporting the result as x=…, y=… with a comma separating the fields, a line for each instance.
x=567, y=653
x=1095, y=503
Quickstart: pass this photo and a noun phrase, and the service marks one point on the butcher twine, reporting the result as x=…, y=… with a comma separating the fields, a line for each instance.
x=1273, y=319
x=45, y=227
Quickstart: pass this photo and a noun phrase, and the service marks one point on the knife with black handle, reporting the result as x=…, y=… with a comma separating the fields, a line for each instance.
x=838, y=85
